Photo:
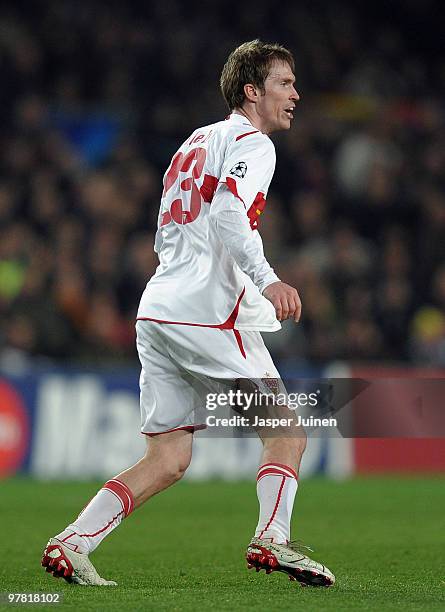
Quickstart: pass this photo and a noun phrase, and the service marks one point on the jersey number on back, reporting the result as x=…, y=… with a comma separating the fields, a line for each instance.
x=191, y=195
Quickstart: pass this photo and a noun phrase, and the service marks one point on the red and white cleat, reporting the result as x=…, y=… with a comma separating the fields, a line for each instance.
x=74, y=567
x=288, y=558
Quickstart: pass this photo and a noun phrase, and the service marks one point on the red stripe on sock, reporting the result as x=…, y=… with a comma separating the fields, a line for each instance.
x=128, y=492
x=68, y=537
x=278, y=465
x=117, y=497
x=92, y=535
x=114, y=489
x=276, y=507
x=123, y=493
x=271, y=472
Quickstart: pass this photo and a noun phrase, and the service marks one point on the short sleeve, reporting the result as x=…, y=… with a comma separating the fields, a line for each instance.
x=249, y=166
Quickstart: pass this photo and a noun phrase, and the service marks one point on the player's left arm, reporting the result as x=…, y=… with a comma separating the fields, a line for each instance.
x=245, y=177
x=233, y=227
x=229, y=217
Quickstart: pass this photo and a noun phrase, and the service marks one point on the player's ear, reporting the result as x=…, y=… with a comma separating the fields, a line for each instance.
x=251, y=92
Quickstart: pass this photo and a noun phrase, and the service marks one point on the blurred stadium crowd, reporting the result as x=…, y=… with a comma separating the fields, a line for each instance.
x=95, y=99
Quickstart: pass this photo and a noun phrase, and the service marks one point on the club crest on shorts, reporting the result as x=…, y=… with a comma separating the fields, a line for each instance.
x=272, y=383
x=239, y=169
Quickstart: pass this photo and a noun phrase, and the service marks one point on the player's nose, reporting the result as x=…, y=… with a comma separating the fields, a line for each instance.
x=295, y=95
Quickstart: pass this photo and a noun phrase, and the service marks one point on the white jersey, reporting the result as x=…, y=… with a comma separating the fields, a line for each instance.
x=212, y=267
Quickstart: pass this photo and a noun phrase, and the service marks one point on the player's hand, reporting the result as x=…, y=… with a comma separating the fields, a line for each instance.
x=285, y=299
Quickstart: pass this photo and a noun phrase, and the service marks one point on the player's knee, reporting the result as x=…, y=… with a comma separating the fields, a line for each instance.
x=175, y=465
x=170, y=462
x=299, y=442
x=294, y=448
x=174, y=470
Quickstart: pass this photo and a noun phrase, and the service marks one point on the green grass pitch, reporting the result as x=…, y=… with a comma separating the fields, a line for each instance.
x=382, y=537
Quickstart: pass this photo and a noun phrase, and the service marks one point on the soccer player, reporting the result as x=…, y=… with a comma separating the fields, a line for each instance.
x=200, y=318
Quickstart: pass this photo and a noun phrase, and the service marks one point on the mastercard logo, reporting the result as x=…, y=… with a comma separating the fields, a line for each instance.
x=14, y=429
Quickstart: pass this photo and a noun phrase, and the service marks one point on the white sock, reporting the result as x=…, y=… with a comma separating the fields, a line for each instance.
x=98, y=519
x=276, y=488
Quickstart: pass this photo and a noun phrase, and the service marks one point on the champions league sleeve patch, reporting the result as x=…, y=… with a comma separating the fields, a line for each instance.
x=239, y=169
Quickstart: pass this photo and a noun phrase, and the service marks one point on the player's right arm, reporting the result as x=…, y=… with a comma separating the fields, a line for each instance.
x=235, y=221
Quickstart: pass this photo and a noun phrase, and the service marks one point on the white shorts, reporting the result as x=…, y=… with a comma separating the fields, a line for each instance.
x=181, y=364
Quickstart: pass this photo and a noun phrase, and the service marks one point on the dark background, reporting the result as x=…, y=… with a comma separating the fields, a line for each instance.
x=95, y=98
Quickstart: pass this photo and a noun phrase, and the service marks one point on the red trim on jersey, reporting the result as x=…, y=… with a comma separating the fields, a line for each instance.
x=278, y=465
x=208, y=187
x=228, y=324
x=231, y=184
x=276, y=507
x=240, y=343
x=256, y=209
x=246, y=134
x=190, y=428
